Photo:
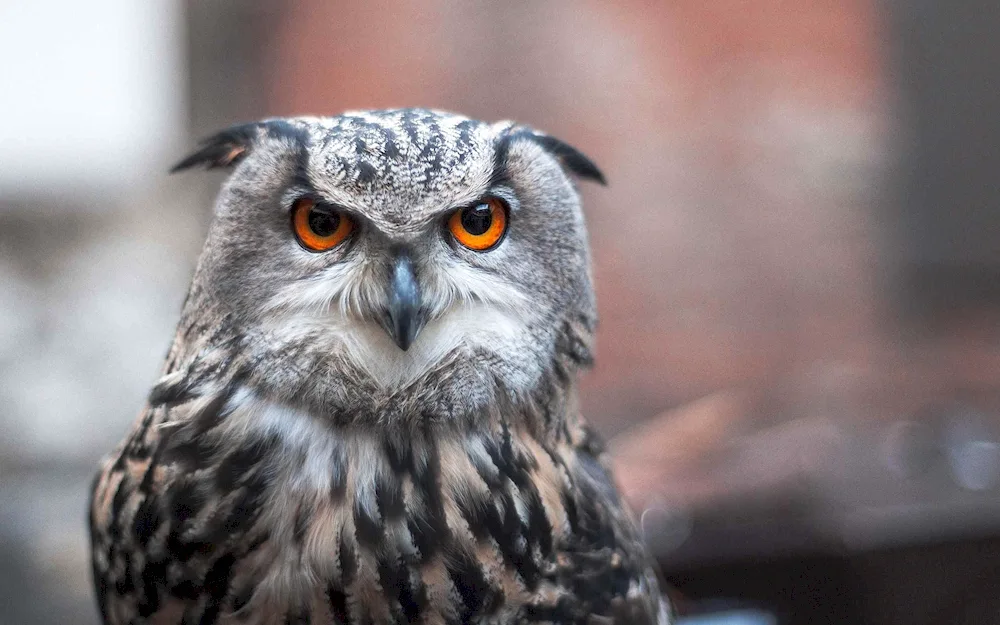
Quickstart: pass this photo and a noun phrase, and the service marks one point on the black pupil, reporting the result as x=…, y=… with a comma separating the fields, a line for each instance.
x=477, y=219
x=323, y=223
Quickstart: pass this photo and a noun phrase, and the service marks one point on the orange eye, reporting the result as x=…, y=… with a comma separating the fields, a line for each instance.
x=319, y=227
x=481, y=226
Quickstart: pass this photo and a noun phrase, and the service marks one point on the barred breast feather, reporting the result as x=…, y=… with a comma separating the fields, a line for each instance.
x=224, y=507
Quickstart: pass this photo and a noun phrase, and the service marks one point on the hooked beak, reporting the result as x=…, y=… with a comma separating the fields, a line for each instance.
x=405, y=316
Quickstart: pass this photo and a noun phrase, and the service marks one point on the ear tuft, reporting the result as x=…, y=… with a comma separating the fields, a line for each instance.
x=572, y=159
x=223, y=149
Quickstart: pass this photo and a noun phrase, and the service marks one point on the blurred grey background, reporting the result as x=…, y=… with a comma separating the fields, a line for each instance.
x=797, y=261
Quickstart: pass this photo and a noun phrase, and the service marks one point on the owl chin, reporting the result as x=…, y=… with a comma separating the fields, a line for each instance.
x=468, y=331
x=471, y=350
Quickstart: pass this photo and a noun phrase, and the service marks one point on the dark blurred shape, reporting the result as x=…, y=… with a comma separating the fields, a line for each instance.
x=229, y=43
x=910, y=448
x=945, y=65
x=952, y=583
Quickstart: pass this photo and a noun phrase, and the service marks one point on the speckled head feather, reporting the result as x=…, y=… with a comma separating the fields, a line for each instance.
x=385, y=431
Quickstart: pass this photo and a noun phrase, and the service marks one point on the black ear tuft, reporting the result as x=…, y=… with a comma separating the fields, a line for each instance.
x=572, y=159
x=232, y=144
x=221, y=150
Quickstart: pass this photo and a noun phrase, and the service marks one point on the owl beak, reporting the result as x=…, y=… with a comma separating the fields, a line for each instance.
x=405, y=317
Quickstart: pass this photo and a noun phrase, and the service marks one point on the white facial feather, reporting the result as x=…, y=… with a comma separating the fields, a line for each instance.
x=373, y=351
x=468, y=308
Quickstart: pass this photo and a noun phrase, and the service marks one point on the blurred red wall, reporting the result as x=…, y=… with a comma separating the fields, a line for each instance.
x=736, y=246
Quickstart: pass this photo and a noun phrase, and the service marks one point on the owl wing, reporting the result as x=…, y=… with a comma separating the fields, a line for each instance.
x=602, y=562
x=172, y=520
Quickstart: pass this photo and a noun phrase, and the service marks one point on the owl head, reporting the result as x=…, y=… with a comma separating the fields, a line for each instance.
x=401, y=264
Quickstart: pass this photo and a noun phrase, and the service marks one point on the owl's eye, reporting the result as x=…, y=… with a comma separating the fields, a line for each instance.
x=319, y=227
x=481, y=226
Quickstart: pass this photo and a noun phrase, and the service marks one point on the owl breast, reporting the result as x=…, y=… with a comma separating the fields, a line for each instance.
x=279, y=516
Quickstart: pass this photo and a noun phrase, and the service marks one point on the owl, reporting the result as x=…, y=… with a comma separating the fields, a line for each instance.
x=369, y=413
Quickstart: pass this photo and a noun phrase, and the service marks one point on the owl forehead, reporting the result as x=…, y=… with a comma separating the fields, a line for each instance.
x=400, y=166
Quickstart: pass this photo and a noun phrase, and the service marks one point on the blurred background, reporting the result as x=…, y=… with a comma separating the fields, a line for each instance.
x=797, y=262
